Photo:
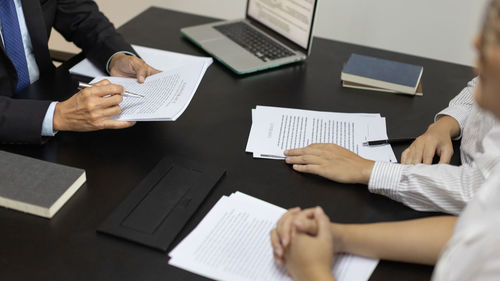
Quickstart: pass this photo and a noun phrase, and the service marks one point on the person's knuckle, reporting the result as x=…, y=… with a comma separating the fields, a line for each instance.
x=93, y=115
x=90, y=104
x=85, y=93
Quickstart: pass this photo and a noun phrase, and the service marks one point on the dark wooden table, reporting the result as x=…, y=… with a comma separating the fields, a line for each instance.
x=213, y=129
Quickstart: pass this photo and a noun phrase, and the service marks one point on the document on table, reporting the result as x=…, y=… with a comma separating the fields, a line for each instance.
x=276, y=129
x=159, y=59
x=232, y=244
x=166, y=94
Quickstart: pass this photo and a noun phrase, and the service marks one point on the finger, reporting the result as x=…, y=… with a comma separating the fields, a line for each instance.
x=141, y=71
x=308, y=169
x=304, y=160
x=115, y=124
x=101, y=91
x=308, y=226
x=305, y=222
x=286, y=230
x=308, y=150
x=428, y=154
x=416, y=155
x=295, y=152
x=446, y=154
x=281, y=228
x=404, y=156
x=323, y=222
x=110, y=111
x=102, y=82
x=105, y=102
x=152, y=70
x=275, y=243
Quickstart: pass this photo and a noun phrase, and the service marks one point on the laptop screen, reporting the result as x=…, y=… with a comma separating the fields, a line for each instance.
x=292, y=19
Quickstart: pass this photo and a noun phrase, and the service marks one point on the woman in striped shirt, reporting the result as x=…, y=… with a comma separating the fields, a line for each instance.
x=463, y=248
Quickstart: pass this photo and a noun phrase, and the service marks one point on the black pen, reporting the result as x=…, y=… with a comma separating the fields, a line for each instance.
x=389, y=141
x=82, y=85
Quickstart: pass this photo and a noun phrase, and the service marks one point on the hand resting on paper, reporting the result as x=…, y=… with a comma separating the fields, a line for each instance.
x=330, y=161
x=90, y=109
x=123, y=65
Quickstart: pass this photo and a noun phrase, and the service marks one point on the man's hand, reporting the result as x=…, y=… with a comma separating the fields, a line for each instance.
x=309, y=257
x=130, y=66
x=435, y=141
x=330, y=161
x=90, y=109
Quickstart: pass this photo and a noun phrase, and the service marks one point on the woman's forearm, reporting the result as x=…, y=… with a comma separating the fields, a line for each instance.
x=416, y=241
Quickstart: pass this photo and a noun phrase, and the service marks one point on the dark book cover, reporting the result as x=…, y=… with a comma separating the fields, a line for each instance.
x=35, y=186
x=392, y=72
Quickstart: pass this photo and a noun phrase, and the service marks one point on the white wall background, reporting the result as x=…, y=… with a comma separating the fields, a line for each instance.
x=438, y=29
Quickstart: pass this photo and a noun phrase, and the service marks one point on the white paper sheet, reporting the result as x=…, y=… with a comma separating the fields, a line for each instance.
x=232, y=243
x=166, y=94
x=275, y=129
x=159, y=59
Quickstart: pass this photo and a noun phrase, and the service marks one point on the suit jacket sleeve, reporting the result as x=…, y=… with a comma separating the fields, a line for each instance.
x=30, y=113
x=81, y=22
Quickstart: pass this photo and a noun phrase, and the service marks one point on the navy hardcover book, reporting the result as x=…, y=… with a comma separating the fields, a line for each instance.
x=391, y=75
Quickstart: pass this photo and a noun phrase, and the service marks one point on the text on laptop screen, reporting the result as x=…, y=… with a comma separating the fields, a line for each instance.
x=290, y=18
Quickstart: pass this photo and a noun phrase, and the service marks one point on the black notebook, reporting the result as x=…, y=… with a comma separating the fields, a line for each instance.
x=36, y=187
x=159, y=207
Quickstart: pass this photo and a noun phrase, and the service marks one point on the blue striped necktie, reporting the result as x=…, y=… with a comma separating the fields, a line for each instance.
x=13, y=42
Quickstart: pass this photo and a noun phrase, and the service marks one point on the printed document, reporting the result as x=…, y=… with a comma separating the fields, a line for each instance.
x=232, y=243
x=166, y=94
x=276, y=129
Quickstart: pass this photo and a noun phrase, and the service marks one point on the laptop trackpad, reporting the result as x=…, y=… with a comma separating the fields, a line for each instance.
x=223, y=47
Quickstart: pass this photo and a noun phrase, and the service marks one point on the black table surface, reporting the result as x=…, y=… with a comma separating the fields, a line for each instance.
x=213, y=129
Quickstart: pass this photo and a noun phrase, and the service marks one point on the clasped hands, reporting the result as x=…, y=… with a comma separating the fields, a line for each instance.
x=305, y=243
x=91, y=108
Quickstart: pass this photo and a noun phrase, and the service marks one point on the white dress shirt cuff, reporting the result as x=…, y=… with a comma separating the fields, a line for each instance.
x=110, y=58
x=48, y=121
x=385, y=179
x=459, y=114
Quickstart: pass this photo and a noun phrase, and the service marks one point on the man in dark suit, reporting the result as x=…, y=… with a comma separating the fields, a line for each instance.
x=24, y=58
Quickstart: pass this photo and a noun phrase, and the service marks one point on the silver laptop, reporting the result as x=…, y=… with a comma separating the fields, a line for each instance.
x=274, y=32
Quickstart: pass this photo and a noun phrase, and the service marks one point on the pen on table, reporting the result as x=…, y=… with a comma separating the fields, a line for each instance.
x=389, y=141
x=82, y=85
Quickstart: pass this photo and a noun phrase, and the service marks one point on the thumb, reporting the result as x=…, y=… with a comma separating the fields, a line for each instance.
x=142, y=72
x=322, y=221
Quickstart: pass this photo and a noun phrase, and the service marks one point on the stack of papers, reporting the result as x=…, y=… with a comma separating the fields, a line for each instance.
x=276, y=129
x=232, y=243
x=166, y=94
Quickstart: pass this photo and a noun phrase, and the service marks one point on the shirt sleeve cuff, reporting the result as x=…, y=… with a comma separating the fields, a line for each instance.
x=48, y=121
x=110, y=58
x=385, y=178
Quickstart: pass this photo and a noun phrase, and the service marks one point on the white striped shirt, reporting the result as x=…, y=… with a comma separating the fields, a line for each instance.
x=473, y=253
x=443, y=187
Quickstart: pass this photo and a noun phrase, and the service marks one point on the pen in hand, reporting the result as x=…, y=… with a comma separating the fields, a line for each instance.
x=82, y=85
x=389, y=141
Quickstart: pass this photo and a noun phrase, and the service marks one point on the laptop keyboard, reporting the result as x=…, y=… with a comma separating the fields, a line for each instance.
x=253, y=41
